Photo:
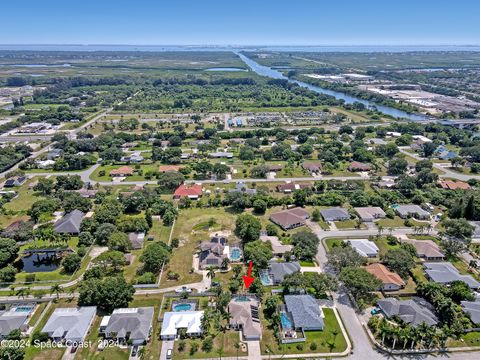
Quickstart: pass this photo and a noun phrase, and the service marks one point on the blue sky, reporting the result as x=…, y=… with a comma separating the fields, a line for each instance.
x=247, y=22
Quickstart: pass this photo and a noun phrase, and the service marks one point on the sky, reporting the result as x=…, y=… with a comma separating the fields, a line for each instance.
x=246, y=22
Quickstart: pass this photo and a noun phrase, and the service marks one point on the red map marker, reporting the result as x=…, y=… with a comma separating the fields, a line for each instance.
x=248, y=280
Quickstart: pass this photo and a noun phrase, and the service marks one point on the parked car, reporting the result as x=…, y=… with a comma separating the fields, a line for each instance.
x=134, y=351
x=169, y=353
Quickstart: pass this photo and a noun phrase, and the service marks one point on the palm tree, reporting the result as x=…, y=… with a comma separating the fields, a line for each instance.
x=211, y=272
x=22, y=292
x=380, y=230
x=237, y=347
x=429, y=228
x=225, y=263
x=57, y=289
x=472, y=264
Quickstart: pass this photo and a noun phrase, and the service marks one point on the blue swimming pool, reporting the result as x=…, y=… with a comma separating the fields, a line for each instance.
x=182, y=307
x=265, y=278
x=23, y=309
x=242, y=299
x=235, y=254
x=286, y=322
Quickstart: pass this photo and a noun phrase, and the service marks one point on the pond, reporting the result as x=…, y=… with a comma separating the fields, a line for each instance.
x=39, y=262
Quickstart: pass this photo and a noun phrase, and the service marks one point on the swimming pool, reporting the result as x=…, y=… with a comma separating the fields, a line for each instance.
x=286, y=322
x=242, y=299
x=182, y=307
x=235, y=254
x=23, y=309
x=265, y=278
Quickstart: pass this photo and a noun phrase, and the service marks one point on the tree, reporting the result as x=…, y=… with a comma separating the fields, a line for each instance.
x=359, y=282
x=305, y=245
x=103, y=233
x=7, y=274
x=258, y=252
x=342, y=257
x=457, y=236
x=210, y=272
x=316, y=214
x=247, y=227
x=460, y=291
x=56, y=289
x=154, y=256
x=44, y=186
x=428, y=149
x=71, y=262
x=400, y=261
x=397, y=166
x=8, y=251
x=259, y=206
x=119, y=241
x=108, y=293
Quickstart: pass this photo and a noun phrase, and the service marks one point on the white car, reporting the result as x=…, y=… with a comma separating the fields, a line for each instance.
x=183, y=289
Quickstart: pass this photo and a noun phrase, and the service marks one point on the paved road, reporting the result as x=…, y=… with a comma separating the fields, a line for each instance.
x=362, y=348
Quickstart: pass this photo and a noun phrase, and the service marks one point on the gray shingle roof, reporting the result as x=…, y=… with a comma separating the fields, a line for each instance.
x=11, y=321
x=305, y=311
x=413, y=312
x=334, y=214
x=136, y=321
x=70, y=323
x=473, y=309
x=445, y=273
x=278, y=270
x=70, y=223
x=408, y=210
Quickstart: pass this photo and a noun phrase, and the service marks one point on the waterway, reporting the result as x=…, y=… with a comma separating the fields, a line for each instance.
x=275, y=74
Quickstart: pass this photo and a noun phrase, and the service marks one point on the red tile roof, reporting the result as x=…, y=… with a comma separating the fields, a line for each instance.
x=385, y=275
x=124, y=170
x=188, y=191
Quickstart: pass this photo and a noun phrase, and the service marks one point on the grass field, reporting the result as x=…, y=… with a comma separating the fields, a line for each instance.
x=184, y=229
x=391, y=223
x=224, y=341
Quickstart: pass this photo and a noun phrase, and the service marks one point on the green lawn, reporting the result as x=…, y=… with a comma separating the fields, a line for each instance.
x=468, y=339
x=225, y=341
x=184, y=230
x=391, y=223
x=38, y=311
x=135, y=177
x=159, y=231
x=348, y=224
x=329, y=340
x=24, y=200
x=307, y=263
x=418, y=274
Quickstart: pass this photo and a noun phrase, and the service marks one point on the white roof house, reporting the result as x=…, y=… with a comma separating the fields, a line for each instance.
x=70, y=324
x=172, y=321
x=364, y=247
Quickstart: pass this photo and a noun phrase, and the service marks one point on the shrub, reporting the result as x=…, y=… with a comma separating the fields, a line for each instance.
x=313, y=346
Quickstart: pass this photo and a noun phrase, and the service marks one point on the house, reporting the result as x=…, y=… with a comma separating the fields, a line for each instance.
x=122, y=171
x=290, y=187
x=54, y=153
x=15, y=181
x=393, y=134
x=136, y=240
x=364, y=247
x=312, y=167
x=278, y=248
x=86, y=193
x=453, y=185
x=415, y=211
x=240, y=186
x=390, y=280
x=445, y=273
x=134, y=158
x=70, y=324
x=193, y=192
x=358, y=166
x=305, y=312
x=414, y=311
x=244, y=316
x=191, y=321
x=277, y=271
x=185, y=156
x=12, y=320
x=212, y=253
x=275, y=167
x=169, y=168
x=335, y=214
x=69, y=223
x=427, y=249
x=421, y=138
x=370, y=213
x=129, y=145
x=221, y=154
x=45, y=164
x=290, y=219
x=447, y=155
x=128, y=324
x=376, y=141
x=472, y=308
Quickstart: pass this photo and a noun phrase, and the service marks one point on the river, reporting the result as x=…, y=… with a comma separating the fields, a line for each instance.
x=269, y=72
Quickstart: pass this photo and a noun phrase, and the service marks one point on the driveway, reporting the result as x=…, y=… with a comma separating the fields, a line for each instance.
x=166, y=344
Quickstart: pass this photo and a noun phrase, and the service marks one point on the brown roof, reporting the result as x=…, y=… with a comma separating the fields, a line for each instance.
x=385, y=275
x=355, y=165
x=453, y=185
x=289, y=218
x=426, y=248
x=124, y=170
x=168, y=168
x=312, y=166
